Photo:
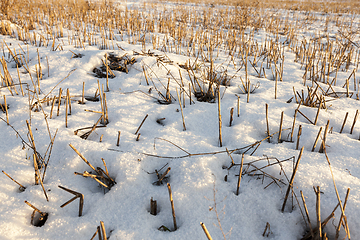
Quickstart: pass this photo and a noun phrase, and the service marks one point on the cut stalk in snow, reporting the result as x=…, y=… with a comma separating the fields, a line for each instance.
x=322, y=147
x=240, y=174
x=118, y=139
x=293, y=127
x=59, y=102
x=267, y=121
x=280, y=129
x=231, y=116
x=298, y=137
x=172, y=206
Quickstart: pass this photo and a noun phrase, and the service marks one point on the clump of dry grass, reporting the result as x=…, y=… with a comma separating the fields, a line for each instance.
x=348, y=6
x=115, y=63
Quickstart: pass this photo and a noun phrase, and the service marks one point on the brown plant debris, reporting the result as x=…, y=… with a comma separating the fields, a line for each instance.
x=114, y=63
x=101, y=176
x=77, y=195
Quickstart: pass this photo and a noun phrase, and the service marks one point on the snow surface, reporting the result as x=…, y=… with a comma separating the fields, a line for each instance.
x=125, y=208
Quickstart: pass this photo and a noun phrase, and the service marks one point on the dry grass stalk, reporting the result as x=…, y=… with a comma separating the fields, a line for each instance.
x=292, y=179
x=93, y=111
x=318, y=215
x=142, y=122
x=276, y=83
x=40, y=74
x=103, y=232
x=313, y=99
x=105, y=109
x=87, y=134
x=346, y=226
x=66, y=109
x=100, y=231
x=83, y=94
x=96, y=233
x=305, y=117
x=205, y=231
x=77, y=195
x=354, y=122
x=323, y=145
x=293, y=126
x=267, y=228
x=42, y=219
x=316, y=140
x=242, y=149
x=138, y=137
x=21, y=87
x=48, y=66
x=102, y=104
x=315, y=231
x=107, y=73
x=231, y=116
x=172, y=206
x=7, y=77
x=267, y=121
x=190, y=93
x=38, y=178
x=344, y=122
x=69, y=101
x=6, y=110
x=147, y=81
x=307, y=215
x=48, y=152
x=238, y=106
x=153, y=207
x=85, y=128
x=82, y=157
x=298, y=137
x=162, y=177
x=181, y=108
x=317, y=114
x=21, y=188
x=232, y=160
x=341, y=218
x=32, y=141
x=280, y=129
x=118, y=139
x=59, y=102
x=240, y=174
x=219, y=115
x=101, y=176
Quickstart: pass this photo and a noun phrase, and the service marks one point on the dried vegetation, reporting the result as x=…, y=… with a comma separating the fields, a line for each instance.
x=200, y=35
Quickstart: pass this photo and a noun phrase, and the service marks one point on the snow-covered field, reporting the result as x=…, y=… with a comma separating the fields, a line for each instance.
x=202, y=178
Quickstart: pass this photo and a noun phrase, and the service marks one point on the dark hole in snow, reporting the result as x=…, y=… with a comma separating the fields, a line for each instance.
x=160, y=121
x=92, y=99
x=2, y=107
x=38, y=219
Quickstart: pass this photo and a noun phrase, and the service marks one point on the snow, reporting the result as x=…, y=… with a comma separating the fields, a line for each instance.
x=196, y=179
